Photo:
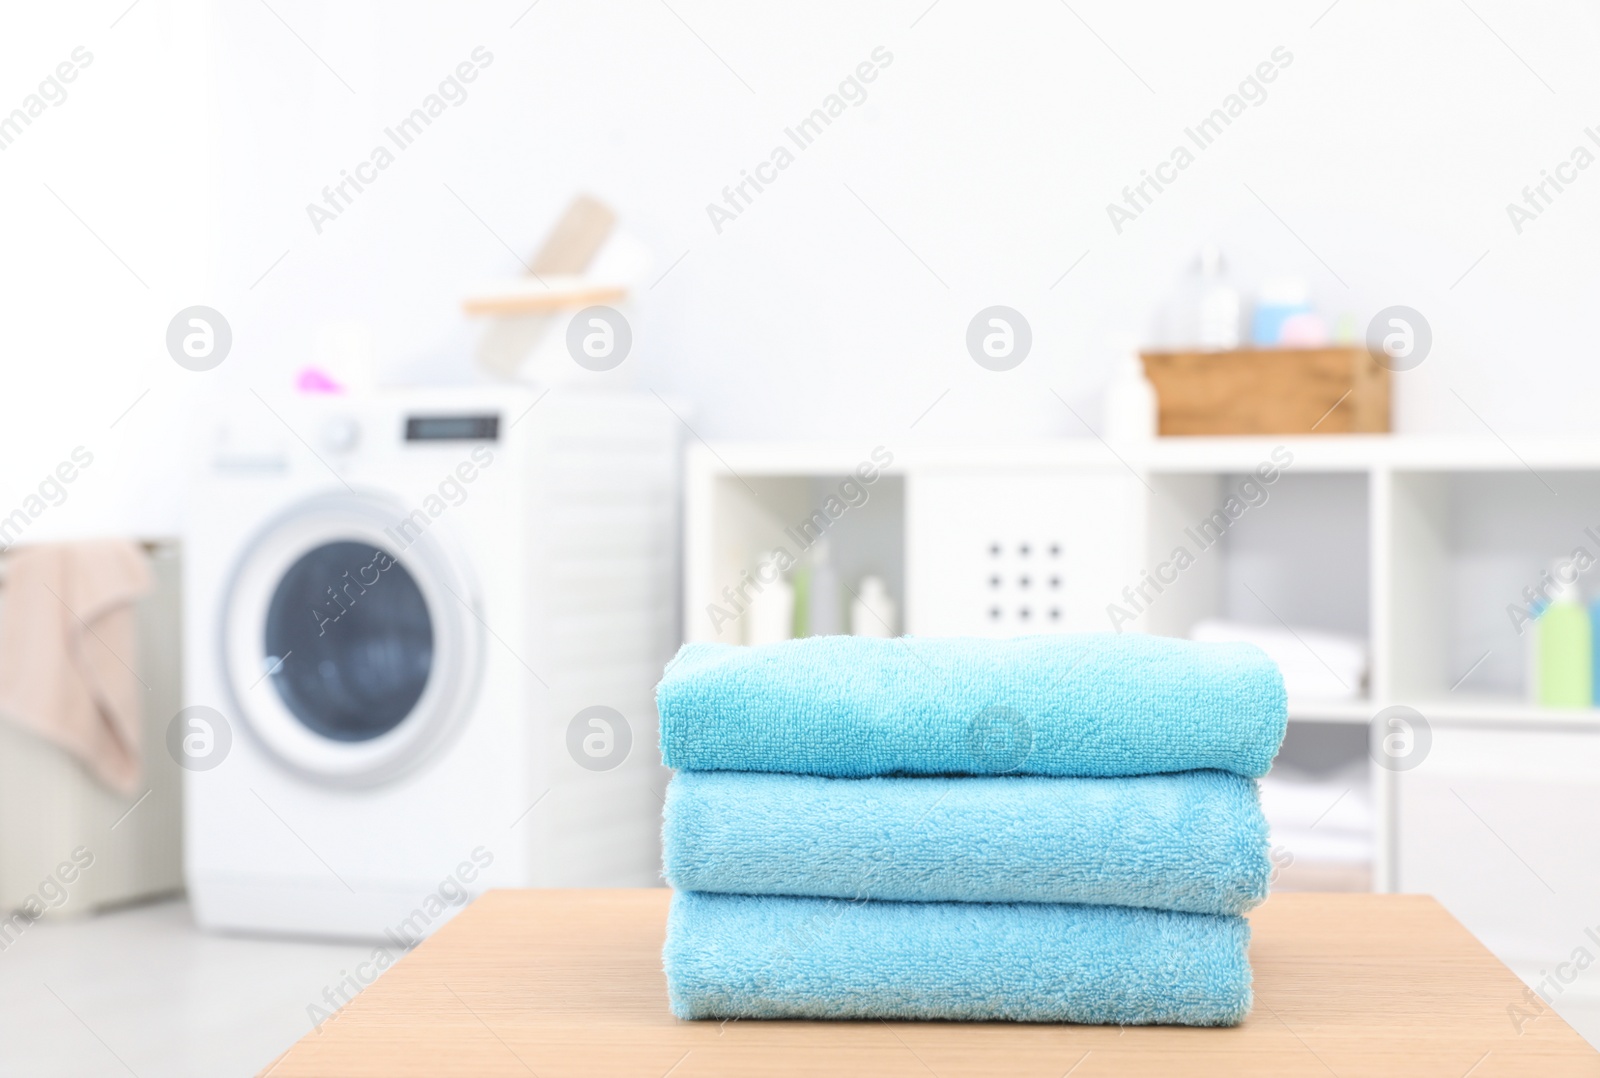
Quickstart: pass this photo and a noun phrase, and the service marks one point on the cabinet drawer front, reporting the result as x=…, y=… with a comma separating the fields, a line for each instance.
x=992, y=554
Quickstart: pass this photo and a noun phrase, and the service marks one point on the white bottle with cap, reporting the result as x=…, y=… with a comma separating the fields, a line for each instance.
x=823, y=595
x=1130, y=400
x=873, y=611
x=771, y=614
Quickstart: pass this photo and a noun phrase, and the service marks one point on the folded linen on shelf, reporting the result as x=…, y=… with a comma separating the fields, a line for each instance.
x=1316, y=665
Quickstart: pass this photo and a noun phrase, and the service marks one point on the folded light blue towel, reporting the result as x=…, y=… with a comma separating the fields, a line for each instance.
x=1087, y=704
x=1195, y=841
x=736, y=956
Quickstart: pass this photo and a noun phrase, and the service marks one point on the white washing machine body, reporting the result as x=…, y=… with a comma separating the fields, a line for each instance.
x=431, y=623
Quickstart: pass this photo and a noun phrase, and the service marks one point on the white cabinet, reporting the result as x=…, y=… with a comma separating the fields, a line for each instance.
x=1502, y=824
x=1420, y=546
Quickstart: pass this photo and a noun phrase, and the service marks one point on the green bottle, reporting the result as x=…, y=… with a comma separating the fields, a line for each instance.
x=802, y=601
x=1566, y=674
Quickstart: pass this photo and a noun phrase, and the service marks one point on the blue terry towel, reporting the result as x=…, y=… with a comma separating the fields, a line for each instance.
x=1194, y=841
x=1087, y=704
x=738, y=956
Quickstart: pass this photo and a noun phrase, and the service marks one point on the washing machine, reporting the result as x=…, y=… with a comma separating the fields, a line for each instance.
x=422, y=630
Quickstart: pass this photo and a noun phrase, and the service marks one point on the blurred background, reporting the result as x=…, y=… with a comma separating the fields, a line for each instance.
x=612, y=325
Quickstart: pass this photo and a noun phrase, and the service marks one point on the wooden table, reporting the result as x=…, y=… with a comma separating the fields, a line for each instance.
x=569, y=983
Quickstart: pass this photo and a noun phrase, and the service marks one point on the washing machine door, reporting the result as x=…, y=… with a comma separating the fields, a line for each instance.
x=352, y=646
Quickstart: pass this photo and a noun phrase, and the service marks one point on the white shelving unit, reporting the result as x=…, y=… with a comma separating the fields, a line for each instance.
x=1418, y=545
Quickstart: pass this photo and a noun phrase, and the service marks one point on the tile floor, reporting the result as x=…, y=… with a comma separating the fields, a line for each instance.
x=143, y=992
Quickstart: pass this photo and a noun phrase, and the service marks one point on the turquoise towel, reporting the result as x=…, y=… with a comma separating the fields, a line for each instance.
x=1087, y=704
x=735, y=956
x=1195, y=841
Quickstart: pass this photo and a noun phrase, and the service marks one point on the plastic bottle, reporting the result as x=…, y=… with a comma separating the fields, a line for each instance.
x=872, y=613
x=1566, y=676
x=1130, y=403
x=771, y=614
x=825, y=618
x=1530, y=651
x=1208, y=306
x=801, y=582
x=1277, y=301
x=1594, y=652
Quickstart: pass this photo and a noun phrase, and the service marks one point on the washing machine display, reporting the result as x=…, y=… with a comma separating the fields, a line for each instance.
x=356, y=628
x=453, y=428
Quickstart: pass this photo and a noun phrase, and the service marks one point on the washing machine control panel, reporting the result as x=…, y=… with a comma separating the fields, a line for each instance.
x=340, y=434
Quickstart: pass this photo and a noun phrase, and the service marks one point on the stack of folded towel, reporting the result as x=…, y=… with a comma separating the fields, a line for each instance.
x=1053, y=829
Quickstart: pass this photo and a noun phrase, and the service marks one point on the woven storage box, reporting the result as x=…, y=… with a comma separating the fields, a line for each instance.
x=1270, y=391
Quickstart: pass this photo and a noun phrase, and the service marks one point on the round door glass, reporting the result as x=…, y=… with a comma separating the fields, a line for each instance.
x=349, y=643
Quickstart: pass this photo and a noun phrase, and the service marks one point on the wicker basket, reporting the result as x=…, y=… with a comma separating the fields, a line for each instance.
x=1271, y=391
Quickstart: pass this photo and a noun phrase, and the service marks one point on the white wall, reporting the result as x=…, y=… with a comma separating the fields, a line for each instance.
x=991, y=145
x=90, y=274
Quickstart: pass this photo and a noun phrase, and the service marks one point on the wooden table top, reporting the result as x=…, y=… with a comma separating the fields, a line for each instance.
x=556, y=982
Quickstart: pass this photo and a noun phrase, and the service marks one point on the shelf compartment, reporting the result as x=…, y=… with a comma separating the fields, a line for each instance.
x=735, y=522
x=1460, y=548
